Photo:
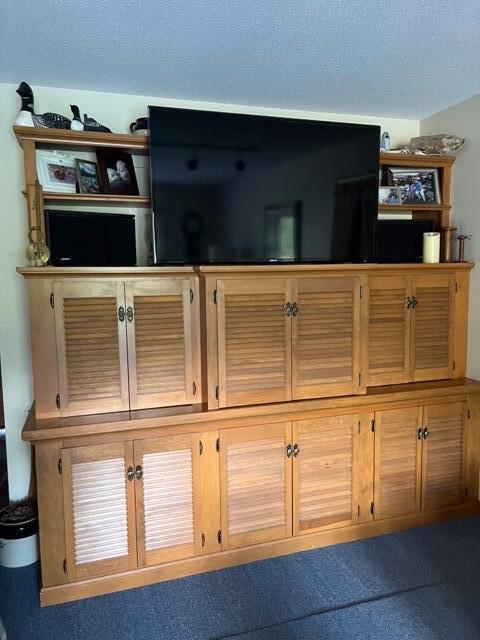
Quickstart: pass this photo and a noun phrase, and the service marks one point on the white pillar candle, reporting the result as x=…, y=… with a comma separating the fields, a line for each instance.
x=431, y=247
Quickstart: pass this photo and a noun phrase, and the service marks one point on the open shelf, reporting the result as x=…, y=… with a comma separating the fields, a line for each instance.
x=413, y=207
x=96, y=199
x=84, y=139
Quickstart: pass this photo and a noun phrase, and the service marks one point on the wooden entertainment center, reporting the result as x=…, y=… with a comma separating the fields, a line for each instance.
x=190, y=419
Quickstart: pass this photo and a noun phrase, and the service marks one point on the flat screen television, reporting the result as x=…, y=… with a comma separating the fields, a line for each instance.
x=246, y=189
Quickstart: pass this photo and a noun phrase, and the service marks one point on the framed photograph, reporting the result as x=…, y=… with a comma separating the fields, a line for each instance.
x=87, y=175
x=56, y=171
x=389, y=195
x=116, y=172
x=418, y=186
x=282, y=224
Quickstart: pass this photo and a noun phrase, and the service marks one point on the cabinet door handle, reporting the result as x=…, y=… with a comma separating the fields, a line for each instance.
x=121, y=314
x=138, y=472
x=419, y=433
x=289, y=450
x=408, y=302
x=426, y=433
x=288, y=309
x=296, y=450
x=295, y=309
x=414, y=302
x=130, y=473
x=129, y=314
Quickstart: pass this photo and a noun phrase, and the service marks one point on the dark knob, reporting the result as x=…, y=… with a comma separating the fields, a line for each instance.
x=138, y=472
x=289, y=450
x=288, y=309
x=121, y=314
x=296, y=450
x=295, y=309
x=129, y=314
x=130, y=473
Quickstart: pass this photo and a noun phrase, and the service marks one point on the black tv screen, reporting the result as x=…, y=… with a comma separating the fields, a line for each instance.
x=239, y=189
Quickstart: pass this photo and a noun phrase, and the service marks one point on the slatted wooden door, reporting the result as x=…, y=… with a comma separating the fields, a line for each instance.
x=166, y=470
x=398, y=458
x=432, y=327
x=325, y=337
x=388, y=345
x=91, y=347
x=254, y=341
x=162, y=353
x=99, y=508
x=256, y=484
x=332, y=472
x=443, y=469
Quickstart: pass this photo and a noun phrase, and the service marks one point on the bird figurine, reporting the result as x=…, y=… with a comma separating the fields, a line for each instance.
x=28, y=118
x=89, y=124
x=77, y=124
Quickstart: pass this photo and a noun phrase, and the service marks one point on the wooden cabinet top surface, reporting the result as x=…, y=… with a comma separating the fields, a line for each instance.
x=240, y=270
x=198, y=417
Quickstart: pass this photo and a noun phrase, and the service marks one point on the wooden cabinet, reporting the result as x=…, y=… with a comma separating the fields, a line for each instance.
x=419, y=458
x=287, y=338
x=99, y=510
x=325, y=336
x=411, y=328
x=140, y=503
x=256, y=484
x=332, y=472
x=118, y=344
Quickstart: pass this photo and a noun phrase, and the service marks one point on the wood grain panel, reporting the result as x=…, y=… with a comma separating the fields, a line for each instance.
x=325, y=338
x=99, y=515
x=397, y=462
x=443, y=469
x=91, y=347
x=160, y=349
x=255, y=476
x=432, y=327
x=165, y=499
x=388, y=329
x=254, y=342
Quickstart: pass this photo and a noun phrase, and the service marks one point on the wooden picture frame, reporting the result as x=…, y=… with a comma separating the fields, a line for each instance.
x=116, y=172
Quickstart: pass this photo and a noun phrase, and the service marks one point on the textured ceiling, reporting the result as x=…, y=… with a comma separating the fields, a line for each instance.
x=393, y=57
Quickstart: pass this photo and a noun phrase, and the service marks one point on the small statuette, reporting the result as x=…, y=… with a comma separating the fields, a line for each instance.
x=27, y=117
x=441, y=144
x=90, y=124
x=385, y=141
x=140, y=127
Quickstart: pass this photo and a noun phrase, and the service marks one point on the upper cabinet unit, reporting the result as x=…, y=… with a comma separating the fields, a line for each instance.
x=114, y=344
x=284, y=338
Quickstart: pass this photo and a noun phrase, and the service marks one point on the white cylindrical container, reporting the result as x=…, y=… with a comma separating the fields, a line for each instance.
x=18, y=553
x=431, y=247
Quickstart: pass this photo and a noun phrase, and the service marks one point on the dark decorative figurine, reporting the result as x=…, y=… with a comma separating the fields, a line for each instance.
x=28, y=118
x=89, y=124
x=77, y=124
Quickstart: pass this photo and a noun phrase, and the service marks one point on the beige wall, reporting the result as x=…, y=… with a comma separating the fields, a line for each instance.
x=117, y=111
x=462, y=120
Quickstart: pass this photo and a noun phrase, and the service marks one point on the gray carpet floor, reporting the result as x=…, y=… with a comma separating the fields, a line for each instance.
x=422, y=584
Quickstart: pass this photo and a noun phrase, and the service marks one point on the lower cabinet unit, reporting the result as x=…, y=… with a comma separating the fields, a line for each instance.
x=419, y=458
x=213, y=492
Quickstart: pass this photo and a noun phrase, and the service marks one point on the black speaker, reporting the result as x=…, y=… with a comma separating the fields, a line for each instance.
x=401, y=240
x=90, y=239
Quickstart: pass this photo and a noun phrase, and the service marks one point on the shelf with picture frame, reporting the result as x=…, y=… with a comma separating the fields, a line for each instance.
x=33, y=140
x=439, y=211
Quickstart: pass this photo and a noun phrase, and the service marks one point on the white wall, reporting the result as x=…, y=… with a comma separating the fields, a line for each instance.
x=116, y=111
x=462, y=120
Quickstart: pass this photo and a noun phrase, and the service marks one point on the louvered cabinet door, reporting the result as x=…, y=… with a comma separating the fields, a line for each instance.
x=398, y=461
x=162, y=353
x=91, y=347
x=443, y=470
x=99, y=507
x=165, y=498
x=432, y=327
x=325, y=337
x=255, y=481
x=254, y=341
x=388, y=330
x=332, y=472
